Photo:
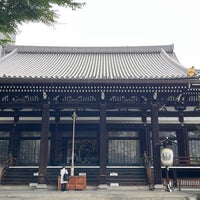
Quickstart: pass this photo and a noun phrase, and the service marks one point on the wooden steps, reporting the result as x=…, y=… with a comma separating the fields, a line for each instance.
x=125, y=176
x=20, y=176
x=26, y=175
x=91, y=173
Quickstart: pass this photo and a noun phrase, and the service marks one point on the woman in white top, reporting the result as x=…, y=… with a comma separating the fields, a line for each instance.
x=63, y=182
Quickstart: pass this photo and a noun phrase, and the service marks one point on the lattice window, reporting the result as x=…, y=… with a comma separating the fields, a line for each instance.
x=194, y=148
x=30, y=152
x=3, y=150
x=124, y=152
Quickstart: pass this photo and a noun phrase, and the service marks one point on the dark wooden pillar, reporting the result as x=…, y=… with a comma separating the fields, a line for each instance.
x=53, y=147
x=14, y=145
x=103, y=144
x=183, y=145
x=56, y=147
x=142, y=143
x=44, y=144
x=146, y=141
x=156, y=146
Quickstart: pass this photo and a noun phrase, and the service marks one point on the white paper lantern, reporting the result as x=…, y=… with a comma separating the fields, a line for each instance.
x=167, y=157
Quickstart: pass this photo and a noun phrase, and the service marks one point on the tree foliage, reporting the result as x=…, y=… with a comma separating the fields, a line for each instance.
x=15, y=12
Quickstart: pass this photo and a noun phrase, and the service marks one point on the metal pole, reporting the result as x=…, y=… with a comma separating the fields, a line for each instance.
x=73, y=141
x=167, y=176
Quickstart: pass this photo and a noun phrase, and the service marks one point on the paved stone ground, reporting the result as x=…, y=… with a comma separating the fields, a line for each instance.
x=117, y=193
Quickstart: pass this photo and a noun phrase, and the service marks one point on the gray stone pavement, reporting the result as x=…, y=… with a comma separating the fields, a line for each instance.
x=112, y=193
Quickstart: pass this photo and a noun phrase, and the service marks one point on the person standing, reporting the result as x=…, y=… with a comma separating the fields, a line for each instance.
x=62, y=180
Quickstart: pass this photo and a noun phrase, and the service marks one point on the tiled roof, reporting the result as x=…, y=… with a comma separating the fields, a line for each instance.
x=143, y=62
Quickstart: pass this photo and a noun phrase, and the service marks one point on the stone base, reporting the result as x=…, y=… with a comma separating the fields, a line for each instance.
x=103, y=187
x=114, y=184
x=41, y=186
x=33, y=184
x=158, y=187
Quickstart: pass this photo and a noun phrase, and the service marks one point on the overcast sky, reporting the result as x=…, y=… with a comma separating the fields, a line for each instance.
x=124, y=23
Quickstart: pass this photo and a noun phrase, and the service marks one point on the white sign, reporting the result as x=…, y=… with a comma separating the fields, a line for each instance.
x=113, y=174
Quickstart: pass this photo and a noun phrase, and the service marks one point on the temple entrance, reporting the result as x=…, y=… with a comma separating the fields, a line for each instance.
x=86, y=147
x=85, y=152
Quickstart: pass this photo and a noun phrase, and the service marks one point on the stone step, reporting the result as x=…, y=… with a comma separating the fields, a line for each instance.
x=118, y=193
x=74, y=195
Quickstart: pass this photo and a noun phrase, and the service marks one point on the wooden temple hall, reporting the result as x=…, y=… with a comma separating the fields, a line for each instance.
x=102, y=111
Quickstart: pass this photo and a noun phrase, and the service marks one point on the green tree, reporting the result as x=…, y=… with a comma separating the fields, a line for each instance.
x=15, y=12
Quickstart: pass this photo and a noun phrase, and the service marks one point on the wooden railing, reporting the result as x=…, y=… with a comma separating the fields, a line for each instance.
x=3, y=169
x=181, y=183
x=5, y=166
x=188, y=183
x=176, y=182
x=178, y=161
x=182, y=161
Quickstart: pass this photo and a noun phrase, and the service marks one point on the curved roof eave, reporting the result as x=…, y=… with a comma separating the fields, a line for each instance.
x=33, y=80
x=8, y=56
x=171, y=60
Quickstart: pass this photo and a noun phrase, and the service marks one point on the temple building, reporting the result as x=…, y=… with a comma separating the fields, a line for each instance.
x=106, y=110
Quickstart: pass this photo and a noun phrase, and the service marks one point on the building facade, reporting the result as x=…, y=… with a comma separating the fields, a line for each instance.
x=126, y=101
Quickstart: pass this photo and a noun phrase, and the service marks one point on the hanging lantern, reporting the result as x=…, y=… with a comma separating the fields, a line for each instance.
x=167, y=157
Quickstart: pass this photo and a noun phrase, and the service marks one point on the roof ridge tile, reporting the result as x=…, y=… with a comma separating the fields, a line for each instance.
x=90, y=50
